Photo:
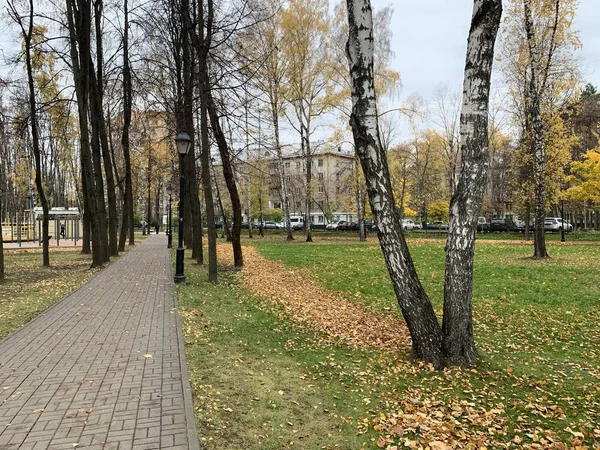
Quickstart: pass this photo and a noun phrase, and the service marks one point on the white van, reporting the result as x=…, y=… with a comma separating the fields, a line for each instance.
x=297, y=222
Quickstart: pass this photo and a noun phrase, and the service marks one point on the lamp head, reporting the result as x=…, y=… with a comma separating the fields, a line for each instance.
x=183, y=142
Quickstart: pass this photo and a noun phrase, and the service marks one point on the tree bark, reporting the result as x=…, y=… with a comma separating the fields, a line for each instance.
x=457, y=326
x=127, y=213
x=285, y=198
x=193, y=231
x=1, y=238
x=228, y=174
x=203, y=45
x=27, y=36
x=538, y=145
x=416, y=308
x=79, y=22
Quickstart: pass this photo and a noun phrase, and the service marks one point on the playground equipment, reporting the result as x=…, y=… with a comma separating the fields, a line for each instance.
x=64, y=224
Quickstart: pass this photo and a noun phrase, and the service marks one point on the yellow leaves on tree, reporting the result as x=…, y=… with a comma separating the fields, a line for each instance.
x=558, y=141
x=585, y=178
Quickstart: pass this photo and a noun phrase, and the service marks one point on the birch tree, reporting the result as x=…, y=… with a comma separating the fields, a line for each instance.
x=457, y=325
x=306, y=48
x=425, y=331
x=27, y=30
x=541, y=73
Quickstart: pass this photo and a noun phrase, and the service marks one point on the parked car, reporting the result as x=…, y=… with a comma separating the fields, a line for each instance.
x=418, y=226
x=269, y=225
x=344, y=225
x=437, y=225
x=482, y=225
x=408, y=224
x=368, y=225
x=502, y=224
x=333, y=225
x=556, y=224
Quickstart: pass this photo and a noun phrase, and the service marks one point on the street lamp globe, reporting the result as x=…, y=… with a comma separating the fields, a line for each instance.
x=183, y=142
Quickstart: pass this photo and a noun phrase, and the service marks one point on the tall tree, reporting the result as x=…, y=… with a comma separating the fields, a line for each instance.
x=127, y=209
x=416, y=308
x=457, y=326
x=79, y=19
x=202, y=47
x=268, y=63
x=27, y=32
x=97, y=105
x=413, y=300
x=305, y=25
x=541, y=73
x=236, y=205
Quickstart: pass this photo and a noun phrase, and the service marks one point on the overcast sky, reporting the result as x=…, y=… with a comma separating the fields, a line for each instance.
x=430, y=39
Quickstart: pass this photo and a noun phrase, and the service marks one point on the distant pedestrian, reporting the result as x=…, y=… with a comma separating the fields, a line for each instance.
x=156, y=228
x=62, y=231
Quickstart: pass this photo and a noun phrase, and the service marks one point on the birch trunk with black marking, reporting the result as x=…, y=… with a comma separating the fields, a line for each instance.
x=416, y=308
x=538, y=78
x=457, y=327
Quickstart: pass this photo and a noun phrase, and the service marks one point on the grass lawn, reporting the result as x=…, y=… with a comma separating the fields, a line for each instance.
x=30, y=289
x=262, y=381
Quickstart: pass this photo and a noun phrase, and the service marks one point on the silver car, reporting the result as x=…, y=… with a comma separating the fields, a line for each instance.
x=556, y=224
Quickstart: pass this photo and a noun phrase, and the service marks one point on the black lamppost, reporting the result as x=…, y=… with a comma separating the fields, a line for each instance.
x=562, y=220
x=169, y=221
x=183, y=142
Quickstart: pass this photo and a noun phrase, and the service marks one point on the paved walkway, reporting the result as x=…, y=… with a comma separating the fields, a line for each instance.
x=104, y=368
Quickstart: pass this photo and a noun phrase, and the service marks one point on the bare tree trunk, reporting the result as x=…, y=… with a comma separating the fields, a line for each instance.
x=193, y=217
x=457, y=326
x=127, y=213
x=285, y=198
x=79, y=36
x=97, y=96
x=527, y=221
x=228, y=174
x=1, y=238
x=309, y=196
x=203, y=45
x=537, y=84
x=416, y=308
x=27, y=36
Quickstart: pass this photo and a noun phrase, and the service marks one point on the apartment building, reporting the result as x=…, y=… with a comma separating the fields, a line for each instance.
x=333, y=190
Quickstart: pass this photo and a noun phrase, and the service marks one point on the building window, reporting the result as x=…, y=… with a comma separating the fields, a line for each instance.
x=288, y=178
x=321, y=190
x=320, y=175
x=287, y=165
x=320, y=163
x=297, y=164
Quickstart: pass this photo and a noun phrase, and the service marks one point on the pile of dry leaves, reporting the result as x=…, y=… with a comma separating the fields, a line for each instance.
x=304, y=301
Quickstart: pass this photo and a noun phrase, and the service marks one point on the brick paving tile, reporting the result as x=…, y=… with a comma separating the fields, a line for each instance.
x=104, y=367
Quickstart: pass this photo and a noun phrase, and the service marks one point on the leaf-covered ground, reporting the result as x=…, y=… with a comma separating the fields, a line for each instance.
x=536, y=325
x=30, y=288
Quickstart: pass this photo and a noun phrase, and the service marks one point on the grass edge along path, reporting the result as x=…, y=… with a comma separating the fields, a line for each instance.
x=30, y=289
